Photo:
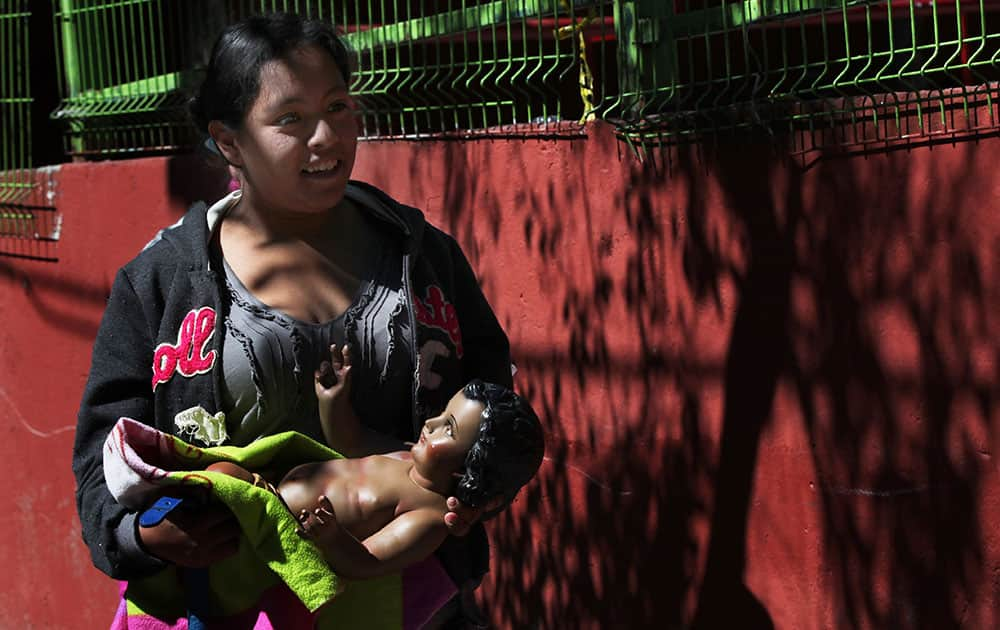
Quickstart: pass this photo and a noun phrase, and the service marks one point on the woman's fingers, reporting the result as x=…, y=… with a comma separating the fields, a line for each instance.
x=219, y=529
x=193, y=537
x=216, y=552
x=460, y=517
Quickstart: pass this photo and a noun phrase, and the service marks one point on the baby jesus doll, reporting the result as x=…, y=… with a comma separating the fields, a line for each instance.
x=378, y=514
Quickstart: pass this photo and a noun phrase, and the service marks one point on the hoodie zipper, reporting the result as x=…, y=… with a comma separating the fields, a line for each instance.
x=414, y=351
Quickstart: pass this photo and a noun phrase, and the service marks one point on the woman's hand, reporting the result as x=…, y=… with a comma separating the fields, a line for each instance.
x=460, y=517
x=193, y=537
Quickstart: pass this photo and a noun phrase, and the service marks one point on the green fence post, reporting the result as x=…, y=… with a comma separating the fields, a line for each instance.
x=647, y=58
x=71, y=68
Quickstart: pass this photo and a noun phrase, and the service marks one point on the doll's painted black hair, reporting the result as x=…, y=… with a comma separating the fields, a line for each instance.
x=507, y=451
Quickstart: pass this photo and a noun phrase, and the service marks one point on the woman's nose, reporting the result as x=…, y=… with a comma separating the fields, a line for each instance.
x=323, y=135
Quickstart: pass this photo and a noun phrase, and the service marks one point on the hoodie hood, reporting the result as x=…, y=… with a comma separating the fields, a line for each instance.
x=201, y=221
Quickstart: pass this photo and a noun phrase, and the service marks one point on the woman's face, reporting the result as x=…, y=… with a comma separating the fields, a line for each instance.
x=296, y=148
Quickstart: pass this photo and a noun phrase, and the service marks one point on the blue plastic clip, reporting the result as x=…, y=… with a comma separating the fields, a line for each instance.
x=158, y=511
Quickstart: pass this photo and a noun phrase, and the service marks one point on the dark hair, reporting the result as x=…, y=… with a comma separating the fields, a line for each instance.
x=507, y=451
x=232, y=79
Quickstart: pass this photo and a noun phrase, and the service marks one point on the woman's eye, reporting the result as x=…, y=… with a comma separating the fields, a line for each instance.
x=339, y=106
x=450, y=431
x=287, y=119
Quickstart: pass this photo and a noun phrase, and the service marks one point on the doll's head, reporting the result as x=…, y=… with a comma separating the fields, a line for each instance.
x=508, y=449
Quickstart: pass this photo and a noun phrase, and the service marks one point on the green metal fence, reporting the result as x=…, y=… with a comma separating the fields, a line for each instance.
x=842, y=71
x=126, y=69
x=424, y=68
x=488, y=67
x=15, y=109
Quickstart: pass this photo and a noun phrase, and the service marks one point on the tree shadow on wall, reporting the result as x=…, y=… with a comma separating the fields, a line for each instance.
x=899, y=513
x=895, y=440
x=606, y=537
x=594, y=544
x=758, y=347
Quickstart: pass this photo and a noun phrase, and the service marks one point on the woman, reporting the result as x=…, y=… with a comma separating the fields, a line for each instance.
x=234, y=308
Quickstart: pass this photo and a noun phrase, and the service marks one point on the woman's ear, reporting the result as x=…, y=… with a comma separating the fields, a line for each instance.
x=225, y=139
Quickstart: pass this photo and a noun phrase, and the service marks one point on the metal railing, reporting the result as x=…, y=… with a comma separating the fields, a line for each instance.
x=460, y=66
x=830, y=71
x=126, y=69
x=477, y=68
x=843, y=71
x=15, y=109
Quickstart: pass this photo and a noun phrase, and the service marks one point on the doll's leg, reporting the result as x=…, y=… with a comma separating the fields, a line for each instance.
x=252, y=478
x=233, y=470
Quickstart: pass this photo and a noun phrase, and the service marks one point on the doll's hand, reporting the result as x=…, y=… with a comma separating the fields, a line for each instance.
x=333, y=378
x=461, y=517
x=341, y=426
x=321, y=524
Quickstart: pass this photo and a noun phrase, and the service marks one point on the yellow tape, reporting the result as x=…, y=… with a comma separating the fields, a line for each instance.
x=586, y=77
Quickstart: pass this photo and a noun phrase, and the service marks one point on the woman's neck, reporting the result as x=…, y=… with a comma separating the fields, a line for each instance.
x=273, y=225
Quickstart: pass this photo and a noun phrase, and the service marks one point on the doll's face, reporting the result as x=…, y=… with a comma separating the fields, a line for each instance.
x=446, y=439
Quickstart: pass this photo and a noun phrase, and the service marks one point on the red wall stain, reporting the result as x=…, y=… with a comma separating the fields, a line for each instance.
x=771, y=389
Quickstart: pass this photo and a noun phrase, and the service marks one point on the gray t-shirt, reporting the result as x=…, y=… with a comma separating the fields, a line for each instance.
x=269, y=358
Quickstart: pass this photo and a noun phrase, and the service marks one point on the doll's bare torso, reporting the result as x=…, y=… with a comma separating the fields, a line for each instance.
x=367, y=493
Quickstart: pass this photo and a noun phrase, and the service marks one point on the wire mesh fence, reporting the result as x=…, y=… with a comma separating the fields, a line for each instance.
x=126, y=67
x=15, y=105
x=28, y=228
x=842, y=71
x=475, y=68
x=423, y=68
x=661, y=71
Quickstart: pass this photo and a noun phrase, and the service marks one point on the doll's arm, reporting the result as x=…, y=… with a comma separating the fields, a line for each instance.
x=342, y=428
x=405, y=540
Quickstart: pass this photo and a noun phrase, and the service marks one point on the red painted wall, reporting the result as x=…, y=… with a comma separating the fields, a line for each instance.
x=772, y=387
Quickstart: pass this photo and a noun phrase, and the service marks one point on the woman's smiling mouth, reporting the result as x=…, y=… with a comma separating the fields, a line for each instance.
x=321, y=168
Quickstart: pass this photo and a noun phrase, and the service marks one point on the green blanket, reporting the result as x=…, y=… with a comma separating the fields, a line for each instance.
x=141, y=462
